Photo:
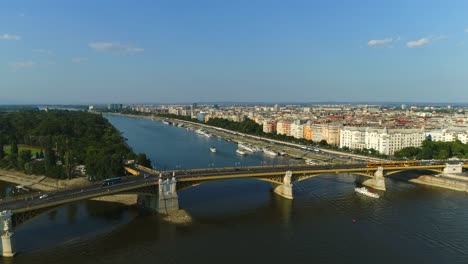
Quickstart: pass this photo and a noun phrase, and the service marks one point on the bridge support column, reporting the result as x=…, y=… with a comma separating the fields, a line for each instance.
x=378, y=182
x=285, y=189
x=165, y=200
x=7, y=246
x=453, y=168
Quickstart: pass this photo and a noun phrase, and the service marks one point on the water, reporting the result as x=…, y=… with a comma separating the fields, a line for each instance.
x=241, y=221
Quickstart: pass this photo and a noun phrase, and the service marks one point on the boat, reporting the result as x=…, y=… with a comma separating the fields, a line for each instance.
x=245, y=147
x=270, y=152
x=213, y=149
x=203, y=133
x=240, y=152
x=366, y=192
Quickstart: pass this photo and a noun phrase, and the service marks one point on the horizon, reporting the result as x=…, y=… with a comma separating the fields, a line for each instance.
x=56, y=52
x=258, y=103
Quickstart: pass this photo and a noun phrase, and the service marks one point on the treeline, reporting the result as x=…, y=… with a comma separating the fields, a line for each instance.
x=435, y=150
x=67, y=139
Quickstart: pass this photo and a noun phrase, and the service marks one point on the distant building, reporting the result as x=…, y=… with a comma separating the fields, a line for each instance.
x=114, y=107
x=194, y=106
x=386, y=141
x=308, y=130
x=269, y=126
x=283, y=128
x=297, y=129
x=201, y=116
x=449, y=134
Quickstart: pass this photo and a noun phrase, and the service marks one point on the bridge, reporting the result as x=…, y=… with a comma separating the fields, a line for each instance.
x=157, y=191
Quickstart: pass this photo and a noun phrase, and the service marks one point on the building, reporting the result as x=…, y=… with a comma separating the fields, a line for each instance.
x=283, y=127
x=114, y=107
x=449, y=134
x=317, y=135
x=385, y=141
x=332, y=135
x=297, y=129
x=308, y=130
x=269, y=126
x=201, y=116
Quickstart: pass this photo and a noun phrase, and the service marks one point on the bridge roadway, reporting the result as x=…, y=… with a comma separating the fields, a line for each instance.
x=146, y=179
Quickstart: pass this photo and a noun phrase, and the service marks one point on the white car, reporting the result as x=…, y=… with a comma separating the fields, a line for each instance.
x=43, y=196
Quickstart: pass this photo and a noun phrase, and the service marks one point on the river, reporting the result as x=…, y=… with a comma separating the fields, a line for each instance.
x=242, y=221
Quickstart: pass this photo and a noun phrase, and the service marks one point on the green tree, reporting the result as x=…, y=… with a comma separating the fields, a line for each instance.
x=14, y=153
x=143, y=160
x=24, y=158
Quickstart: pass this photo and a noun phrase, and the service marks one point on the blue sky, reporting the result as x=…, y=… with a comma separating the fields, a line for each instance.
x=246, y=50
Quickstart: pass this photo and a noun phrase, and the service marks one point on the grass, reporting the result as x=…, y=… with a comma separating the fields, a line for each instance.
x=34, y=150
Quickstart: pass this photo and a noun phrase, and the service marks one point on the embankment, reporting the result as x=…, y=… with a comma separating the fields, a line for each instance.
x=442, y=182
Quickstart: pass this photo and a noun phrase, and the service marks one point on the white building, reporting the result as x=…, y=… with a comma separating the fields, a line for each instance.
x=386, y=141
x=449, y=134
x=297, y=130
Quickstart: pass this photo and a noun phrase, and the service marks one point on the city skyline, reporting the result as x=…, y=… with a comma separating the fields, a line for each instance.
x=249, y=51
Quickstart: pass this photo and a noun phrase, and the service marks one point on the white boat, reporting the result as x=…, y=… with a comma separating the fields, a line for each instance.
x=166, y=122
x=240, y=152
x=212, y=149
x=270, y=152
x=245, y=147
x=365, y=191
x=203, y=133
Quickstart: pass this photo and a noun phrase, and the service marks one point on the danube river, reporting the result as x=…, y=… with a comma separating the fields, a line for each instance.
x=242, y=221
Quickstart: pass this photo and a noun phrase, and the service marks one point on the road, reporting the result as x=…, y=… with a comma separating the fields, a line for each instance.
x=145, y=179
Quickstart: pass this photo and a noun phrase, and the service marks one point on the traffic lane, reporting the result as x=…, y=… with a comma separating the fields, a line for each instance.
x=74, y=193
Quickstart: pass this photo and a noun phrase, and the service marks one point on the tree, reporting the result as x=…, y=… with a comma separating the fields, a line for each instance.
x=323, y=143
x=14, y=153
x=2, y=152
x=143, y=160
x=24, y=158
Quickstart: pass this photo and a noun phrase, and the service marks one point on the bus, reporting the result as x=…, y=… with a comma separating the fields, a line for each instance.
x=111, y=181
x=132, y=171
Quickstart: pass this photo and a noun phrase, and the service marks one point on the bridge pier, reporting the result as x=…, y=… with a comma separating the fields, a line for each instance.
x=166, y=199
x=7, y=247
x=285, y=189
x=453, y=168
x=378, y=182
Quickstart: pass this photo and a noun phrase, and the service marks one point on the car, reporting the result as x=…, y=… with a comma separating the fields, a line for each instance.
x=43, y=196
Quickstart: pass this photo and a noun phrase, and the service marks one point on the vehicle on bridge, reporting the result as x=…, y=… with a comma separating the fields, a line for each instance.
x=132, y=171
x=111, y=181
x=392, y=164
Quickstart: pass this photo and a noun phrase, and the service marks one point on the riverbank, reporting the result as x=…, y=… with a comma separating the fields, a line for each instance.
x=294, y=151
x=443, y=182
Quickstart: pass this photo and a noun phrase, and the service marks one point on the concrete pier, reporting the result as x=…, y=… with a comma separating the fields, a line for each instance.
x=378, y=182
x=285, y=189
x=453, y=168
x=165, y=201
x=7, y=246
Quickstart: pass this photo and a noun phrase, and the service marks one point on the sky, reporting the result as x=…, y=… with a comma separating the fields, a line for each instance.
x=169, y=51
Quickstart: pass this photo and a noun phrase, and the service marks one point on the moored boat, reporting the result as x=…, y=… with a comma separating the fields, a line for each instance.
x=240, y=152
x=270, y=152
x=213, y=149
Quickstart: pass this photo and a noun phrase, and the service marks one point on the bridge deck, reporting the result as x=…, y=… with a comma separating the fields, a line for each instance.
x=147, y=179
